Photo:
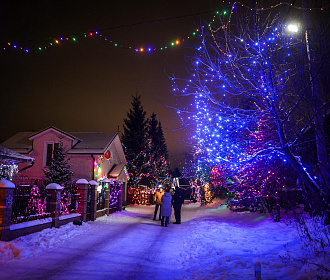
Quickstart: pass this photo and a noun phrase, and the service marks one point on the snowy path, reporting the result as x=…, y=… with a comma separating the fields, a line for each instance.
x=135, y=250
x=211, y=243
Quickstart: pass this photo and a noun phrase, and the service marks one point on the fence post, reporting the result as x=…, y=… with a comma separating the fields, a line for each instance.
x=82, y=185
x=106, y=186
x=93, y=185
x=6, y=202
x=55, y=203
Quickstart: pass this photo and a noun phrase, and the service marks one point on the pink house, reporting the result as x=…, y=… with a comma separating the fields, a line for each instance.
x=93, y=155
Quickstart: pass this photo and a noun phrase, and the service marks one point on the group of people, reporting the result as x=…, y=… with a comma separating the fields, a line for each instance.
x=164, y=200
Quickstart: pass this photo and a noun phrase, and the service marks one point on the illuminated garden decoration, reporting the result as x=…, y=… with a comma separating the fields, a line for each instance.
x=220, y=139
x=267, y=178
x=247, y=71
x=205, y=194
x=114, y=194
x=36, y=203
x=8, y=170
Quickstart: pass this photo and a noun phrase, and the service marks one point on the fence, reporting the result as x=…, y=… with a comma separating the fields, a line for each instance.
x=101, y=194
x=69, y=202
x=29, y=203
x=26, y=209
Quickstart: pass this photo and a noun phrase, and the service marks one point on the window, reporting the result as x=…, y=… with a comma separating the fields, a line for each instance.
x=51, y=148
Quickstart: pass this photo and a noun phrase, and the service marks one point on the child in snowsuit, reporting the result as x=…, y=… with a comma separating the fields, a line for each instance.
x=166, y=206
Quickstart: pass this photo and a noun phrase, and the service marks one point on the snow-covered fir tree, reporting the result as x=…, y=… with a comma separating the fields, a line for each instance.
x=59, y=169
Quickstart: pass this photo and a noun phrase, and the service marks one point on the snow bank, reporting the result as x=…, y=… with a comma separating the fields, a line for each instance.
x=39, y=242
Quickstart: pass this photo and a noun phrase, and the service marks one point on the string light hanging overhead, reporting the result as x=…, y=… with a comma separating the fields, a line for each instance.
x=42, y=45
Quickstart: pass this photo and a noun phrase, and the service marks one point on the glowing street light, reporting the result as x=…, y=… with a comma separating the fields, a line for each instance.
x=293, y=28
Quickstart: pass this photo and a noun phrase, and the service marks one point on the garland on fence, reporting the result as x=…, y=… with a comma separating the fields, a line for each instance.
x=114, y=194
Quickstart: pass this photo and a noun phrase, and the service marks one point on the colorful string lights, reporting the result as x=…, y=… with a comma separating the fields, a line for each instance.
x=74, y=38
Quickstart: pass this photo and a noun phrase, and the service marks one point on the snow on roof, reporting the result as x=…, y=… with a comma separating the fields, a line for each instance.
x=94, y=142
x=115, y=171
x=19, y=142
x=89, y=142
x=14, y=157
x=54, y=129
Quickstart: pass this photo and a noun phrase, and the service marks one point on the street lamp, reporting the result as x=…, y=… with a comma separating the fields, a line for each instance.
x=293, y=28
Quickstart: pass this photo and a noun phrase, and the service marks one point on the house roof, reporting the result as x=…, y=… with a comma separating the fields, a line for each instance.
x=7, y=155
x=19, y=142
x=86, y=142
x=54, y=129
x=116, y=170
x=92, y=142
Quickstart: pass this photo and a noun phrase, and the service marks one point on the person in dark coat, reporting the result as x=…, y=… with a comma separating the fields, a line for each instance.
x=178, y=200
x=166, y=207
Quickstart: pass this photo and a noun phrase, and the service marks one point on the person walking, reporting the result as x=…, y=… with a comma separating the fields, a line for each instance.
x=158, y=202
x=166, y=206
x=178, y=200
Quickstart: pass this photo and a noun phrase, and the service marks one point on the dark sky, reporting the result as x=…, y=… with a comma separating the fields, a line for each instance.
x=88, y=85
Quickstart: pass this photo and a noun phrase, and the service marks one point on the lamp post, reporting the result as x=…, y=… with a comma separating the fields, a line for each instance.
x=315, y=92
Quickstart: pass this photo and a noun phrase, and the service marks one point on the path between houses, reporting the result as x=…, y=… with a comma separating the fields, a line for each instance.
x=140, y=249
x=211, y=243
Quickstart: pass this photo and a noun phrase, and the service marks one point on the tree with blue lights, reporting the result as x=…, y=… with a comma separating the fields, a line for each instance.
x=249, y=70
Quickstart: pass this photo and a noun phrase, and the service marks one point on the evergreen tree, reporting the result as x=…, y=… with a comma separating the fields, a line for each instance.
x=162, y=142
x=59, y=169
x=152, y=134
x=158, y=155
x=135, y=128
x=134, y=140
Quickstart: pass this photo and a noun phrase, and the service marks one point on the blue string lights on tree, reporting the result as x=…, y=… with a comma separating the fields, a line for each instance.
x=247, y=72
x=219, y=138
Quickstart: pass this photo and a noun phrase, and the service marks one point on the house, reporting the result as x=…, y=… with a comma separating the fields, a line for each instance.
x=93, y=155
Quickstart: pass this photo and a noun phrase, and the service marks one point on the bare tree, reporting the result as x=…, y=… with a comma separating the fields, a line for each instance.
x=248, y=67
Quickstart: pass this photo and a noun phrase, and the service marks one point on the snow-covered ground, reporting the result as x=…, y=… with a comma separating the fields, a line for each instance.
x=211, y=243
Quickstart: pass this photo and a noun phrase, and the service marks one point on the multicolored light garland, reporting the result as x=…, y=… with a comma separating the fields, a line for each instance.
x=144, y=48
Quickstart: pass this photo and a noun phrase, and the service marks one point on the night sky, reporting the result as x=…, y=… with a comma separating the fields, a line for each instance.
x=88, y=85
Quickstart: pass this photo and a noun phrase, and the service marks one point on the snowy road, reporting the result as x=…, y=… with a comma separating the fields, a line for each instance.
x=135, y=250
x=211, y=243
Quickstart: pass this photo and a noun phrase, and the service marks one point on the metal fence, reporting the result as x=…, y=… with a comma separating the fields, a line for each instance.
x=29, y=203
x=69, y=202
x=100, y=201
